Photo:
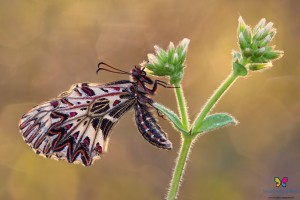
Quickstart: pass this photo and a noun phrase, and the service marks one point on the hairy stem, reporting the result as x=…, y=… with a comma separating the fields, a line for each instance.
x=188, y=139
x=180, y=164
x=214, y=99
x=185, y=145
x=182, y=106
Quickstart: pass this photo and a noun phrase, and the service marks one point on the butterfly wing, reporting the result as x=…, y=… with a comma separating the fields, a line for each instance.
x=277, y=181
x=284, y=180
x=75, y=125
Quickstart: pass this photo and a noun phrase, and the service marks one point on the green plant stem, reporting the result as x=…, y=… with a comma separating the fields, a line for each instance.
x=182, y=106
x=214, y=99
x=180, y=164
x=188, y=139
x=185, y=144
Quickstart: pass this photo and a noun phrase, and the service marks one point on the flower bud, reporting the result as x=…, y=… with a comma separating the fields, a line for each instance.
x=254, y=45
x=273, y=55
x=259, y=66
x=170, y=62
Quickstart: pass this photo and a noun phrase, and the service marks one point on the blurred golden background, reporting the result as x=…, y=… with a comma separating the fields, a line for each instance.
x=46, y=46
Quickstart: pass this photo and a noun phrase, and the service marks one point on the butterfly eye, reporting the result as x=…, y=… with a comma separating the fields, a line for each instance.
x=143, y=73
x=135, y=73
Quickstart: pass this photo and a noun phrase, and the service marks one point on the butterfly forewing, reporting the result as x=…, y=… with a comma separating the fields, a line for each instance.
x=75, y=125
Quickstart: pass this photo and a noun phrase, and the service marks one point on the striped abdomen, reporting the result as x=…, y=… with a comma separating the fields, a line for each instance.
x=148, y=127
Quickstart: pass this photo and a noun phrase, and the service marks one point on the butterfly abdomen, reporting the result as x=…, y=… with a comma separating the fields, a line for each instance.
x=148, y=127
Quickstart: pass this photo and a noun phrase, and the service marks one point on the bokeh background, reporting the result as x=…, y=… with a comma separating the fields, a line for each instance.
x=46, y=46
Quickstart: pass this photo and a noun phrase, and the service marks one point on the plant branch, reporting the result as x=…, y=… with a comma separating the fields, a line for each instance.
x=214, y=99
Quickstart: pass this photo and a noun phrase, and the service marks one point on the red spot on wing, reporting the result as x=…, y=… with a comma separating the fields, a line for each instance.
x=54, y=103
x=72, y=114
x=98, y=148
x=86, y=141
x=75, y=135
x=116, y=102
x=88, y=91
x=68, y=126
x=116, y=88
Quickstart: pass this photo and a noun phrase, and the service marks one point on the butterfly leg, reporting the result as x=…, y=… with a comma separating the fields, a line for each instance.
x=160, y=114
x=155, y=85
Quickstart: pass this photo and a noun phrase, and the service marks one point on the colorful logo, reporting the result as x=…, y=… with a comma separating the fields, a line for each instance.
x=281, y=182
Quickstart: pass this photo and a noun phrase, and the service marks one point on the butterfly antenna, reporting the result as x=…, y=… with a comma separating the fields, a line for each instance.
x=118, y=71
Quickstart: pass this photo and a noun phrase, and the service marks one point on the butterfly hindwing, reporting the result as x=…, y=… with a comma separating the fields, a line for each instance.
x=75, y=126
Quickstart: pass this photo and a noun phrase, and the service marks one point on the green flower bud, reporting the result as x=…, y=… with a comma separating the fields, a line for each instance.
x=247, y=53
x=259, y=66
x=265, y=41
x=242, y=41
x=260, y=25
x=256, y=54
x=168, y=63
x=273, y=55
x=244, y=34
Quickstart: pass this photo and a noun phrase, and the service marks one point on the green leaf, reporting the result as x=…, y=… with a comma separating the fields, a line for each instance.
x=215, y=121
x=239, y=69
x=171, y=116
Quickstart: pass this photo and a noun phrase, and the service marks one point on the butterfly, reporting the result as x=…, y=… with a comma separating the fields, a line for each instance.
x=75, y=126
x=281, y=182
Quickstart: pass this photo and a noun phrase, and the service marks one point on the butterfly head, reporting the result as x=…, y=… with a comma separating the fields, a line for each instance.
x=139, y=75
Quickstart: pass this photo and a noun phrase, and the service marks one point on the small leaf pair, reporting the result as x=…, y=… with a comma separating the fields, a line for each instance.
x=210, y=123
